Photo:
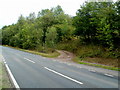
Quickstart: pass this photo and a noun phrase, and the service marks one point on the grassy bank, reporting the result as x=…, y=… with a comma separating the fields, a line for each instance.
x=95, y=63
x=89, y=55
x=0, y=75
x=88, y=50
x=48, y=54
x=4, y=80
x=93, y=55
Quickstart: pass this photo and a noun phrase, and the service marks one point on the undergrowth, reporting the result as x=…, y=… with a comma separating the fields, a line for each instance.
x=88, y=50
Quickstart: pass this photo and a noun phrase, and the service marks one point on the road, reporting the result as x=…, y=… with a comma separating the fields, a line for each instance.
x=34, y=71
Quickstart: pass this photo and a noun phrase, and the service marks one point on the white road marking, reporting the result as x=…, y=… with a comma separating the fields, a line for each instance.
x=68, y=64
x=63, y=75
x=79, y=67
x=3, y=59
x=92, y=70
x=29, y=60
x=53, y=60
x=12, y=77
x=65, y=62
x=4, y=62
x=60, y=62
x=44, y=58
x=108, y=75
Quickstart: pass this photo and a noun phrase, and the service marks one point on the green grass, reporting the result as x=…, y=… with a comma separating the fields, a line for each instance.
x=78, y=60
x=88, y=50
x=0, y=75
x=4, y=79
x=91, y=54
x=48, y=54
x=85, y=55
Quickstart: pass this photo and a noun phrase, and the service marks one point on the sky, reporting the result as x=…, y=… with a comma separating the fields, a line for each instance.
x=10, y=10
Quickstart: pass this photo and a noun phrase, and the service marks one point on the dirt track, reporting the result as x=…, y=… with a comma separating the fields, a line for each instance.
x=65, y=56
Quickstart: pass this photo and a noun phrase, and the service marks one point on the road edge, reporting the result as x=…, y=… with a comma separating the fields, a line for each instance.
x=10, y=75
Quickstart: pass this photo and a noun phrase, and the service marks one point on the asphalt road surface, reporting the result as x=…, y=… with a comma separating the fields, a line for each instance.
x=34, y=71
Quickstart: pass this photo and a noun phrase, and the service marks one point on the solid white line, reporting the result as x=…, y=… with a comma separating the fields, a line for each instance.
x=12, y=77
x=29, y=60
x=3, y=59
x=108, y=75
x=63, y=75
x=4, y=62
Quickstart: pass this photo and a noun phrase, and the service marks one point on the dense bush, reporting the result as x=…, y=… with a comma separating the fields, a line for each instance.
x=93, y=32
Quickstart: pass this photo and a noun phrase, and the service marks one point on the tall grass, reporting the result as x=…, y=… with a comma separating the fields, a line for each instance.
x=91, y=53
x=87, y=50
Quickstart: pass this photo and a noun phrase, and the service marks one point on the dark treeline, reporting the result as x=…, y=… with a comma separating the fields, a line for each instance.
x=49, y=27
x=95, y=23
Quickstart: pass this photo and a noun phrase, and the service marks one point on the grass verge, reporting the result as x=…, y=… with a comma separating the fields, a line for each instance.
x=4, y=79
x=110, y=64
x=78, y=60
x=49, y=55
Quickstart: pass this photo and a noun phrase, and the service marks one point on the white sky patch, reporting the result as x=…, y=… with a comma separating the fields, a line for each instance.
x=10, y=10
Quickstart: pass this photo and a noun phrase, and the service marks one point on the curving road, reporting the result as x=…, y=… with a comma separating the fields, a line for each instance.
x=34, y=71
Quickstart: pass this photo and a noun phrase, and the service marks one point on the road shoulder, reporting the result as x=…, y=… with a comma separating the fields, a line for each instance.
x=4, y=78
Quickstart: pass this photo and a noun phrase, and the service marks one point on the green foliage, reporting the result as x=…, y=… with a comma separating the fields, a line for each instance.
x=111, y=67
x=43, y=30
x=65, y=32
x=97, y=22
x=51, y=37
x=86, y=21
x=96, y=25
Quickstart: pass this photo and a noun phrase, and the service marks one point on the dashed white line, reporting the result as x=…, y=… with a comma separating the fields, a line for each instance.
x=44, y=58
x=108, y=75
x=65, y=62
x=68, y=64
x=92, y=70
x=63, y=75
x=78, y=66
x=54, y=60
x=60, y=62
x=29, y=60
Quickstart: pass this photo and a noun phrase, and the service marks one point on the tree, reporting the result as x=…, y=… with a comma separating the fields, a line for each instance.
x=31, y=18
x=86, y=21
x=64, y=31
x=97, y=22
x=107, y=31
x=51, y=37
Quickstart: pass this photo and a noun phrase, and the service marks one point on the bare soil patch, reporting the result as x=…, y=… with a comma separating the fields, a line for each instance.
x=65, y=56
x=68, y=57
